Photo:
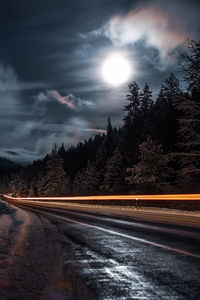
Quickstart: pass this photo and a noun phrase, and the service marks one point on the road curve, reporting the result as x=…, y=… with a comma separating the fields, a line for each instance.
x=107, y=257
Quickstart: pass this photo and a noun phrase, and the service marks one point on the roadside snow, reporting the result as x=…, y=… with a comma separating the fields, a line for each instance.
x=13, y=225
x=30, y=260
x=3, y=208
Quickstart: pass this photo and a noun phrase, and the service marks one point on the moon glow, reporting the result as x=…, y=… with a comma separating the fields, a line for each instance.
x=116, y=69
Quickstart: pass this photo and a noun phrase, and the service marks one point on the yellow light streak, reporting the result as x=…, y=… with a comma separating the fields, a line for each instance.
x=169, y=197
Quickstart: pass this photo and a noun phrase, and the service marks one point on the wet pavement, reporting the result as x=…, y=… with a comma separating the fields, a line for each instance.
x=104, y=257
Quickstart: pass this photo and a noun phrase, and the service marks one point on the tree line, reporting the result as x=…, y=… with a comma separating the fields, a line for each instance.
x=157, y=149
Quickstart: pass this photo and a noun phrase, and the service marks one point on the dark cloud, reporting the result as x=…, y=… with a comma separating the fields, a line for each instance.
x=12, y=153
x=51, y=87
x=30, y=126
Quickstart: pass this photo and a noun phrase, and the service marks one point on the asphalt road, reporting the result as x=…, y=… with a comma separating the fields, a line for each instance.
x=107, y=257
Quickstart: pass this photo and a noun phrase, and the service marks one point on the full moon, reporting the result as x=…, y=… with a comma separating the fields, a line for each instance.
x=116, y=69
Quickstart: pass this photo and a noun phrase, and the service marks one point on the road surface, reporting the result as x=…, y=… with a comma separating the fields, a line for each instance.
x=107, y=257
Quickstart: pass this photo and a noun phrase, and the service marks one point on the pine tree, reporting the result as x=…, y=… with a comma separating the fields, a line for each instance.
x=146, y=102
x=78, y=183
x=22, y=187
x=133, y=107
x=188, y=154
x=4, y=188
x=56, y=181
x=152, y=169
x=18, y=185
x=32, y=190
x=108, y=143
x=114, y=175
x=171, y=89
x=146, y=108
x=40, y=185
x=191, y=66
x=165, y=115
x=131, y=127
x=91, y=179
x=61, y=150
x=13, y=185
x=105, y=152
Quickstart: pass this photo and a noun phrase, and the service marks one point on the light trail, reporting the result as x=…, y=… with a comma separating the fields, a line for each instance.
x=169, y=197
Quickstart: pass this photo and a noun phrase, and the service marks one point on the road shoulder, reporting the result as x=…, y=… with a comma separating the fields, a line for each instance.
x=160, y=215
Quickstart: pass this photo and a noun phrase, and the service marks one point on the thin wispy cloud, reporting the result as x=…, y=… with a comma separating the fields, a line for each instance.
x=71, y=101
x=149, y=23
x=152, y=25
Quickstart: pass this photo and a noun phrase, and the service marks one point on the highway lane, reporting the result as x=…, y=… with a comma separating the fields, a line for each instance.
x=106, y=257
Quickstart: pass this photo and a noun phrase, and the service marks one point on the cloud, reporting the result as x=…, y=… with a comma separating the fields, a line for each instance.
x=95, y=130
x=8, y=79
x=71, y=101
x=70, y=133
x=11, y=152
x=154, y=26
x=18, y=154
x=30, y=126
x=150, y=23
x=8, y=87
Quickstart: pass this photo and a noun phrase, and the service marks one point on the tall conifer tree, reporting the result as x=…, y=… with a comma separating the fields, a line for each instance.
x=56, y=181
x=152, y=169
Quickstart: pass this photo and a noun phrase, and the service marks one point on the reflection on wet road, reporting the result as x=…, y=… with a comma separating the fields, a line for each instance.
x=114, y=258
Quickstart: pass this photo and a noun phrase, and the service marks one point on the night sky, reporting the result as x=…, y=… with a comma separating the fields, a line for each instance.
x=51, y=55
